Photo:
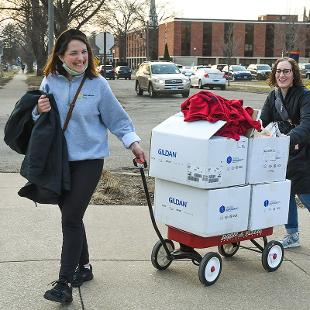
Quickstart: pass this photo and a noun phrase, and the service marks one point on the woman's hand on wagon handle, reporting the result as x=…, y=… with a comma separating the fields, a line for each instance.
x=138, y=152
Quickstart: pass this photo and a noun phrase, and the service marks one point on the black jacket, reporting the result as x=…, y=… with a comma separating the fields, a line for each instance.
x=45, y=165
x=297, y=104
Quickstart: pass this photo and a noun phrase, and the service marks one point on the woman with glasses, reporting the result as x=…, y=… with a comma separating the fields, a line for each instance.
x=289, y=105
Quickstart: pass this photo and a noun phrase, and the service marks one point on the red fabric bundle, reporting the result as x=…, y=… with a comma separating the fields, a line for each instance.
x=207, y=106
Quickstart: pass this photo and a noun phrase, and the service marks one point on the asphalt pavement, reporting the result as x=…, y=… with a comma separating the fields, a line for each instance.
x=121, y=239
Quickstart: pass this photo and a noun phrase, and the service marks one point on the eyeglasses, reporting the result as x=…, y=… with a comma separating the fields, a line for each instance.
x=284, y=71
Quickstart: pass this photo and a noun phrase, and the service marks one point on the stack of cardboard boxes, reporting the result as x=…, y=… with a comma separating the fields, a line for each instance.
x=210, y=185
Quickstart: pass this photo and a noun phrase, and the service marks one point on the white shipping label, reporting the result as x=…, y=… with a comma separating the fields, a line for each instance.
x=269, y=154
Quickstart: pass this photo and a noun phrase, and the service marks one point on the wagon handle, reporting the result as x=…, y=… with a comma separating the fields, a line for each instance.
x=149, y=203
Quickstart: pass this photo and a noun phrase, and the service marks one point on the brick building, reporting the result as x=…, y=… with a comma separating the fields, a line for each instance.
x=212, y=41
x=205, y=41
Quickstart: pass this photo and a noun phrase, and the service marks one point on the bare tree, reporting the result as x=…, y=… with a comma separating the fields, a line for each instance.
x=70, y=13
x=123, y=16
x=120, y=17
x=31, y=15
x=231, y=44
x=290, y=36
x=9, y=37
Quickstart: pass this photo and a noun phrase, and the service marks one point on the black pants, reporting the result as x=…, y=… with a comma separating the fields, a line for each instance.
x=84, y=179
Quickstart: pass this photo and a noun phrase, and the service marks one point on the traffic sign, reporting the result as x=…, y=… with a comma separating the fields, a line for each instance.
x=99, y=40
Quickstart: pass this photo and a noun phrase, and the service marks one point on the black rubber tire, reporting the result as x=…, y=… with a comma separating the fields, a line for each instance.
x=210, y=268
x=151, y=91
x=272, y=256
x=229, y=249
x=139, y=91
x=185, y=95
x=159, y=257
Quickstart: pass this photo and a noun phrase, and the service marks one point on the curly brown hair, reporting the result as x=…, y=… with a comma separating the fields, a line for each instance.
x=54, y=64
x=297, y=81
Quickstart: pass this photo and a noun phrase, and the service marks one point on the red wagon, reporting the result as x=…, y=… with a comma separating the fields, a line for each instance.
x=210, y=265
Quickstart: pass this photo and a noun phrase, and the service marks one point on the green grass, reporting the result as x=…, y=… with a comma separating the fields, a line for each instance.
x=249, y=86
x=7, y=76
x=307, y=83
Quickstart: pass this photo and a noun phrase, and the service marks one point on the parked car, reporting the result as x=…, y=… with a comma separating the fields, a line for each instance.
x=161, y=78
x=219, y=66
x=305, y=70
x=195, y=68
x=208, y=77
x=259, y=71
x=109, y=71
x=123, y=72
x=187, y=71
x=179, y=66
x=237, y=72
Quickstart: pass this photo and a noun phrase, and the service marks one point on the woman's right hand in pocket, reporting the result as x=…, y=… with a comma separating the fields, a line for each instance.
x=44, y=104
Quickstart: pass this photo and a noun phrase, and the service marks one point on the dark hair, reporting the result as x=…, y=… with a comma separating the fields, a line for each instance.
x=54, y=64
x=297, y=81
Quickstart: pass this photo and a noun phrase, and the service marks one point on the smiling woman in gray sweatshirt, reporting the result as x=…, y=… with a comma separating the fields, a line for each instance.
x=96, y=111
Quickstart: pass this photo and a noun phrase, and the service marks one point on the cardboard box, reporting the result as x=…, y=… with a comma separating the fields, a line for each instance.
x=269, y=204
x=190, y=154
x=200, y=211
x=267, y=159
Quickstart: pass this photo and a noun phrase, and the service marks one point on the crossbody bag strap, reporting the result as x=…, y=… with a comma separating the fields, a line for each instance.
x=280, y=106
x=72, y=104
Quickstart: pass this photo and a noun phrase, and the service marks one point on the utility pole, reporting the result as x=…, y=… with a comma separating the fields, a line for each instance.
x=152, y=28
x=147, y=49
x=50, y=26
x=104, y=53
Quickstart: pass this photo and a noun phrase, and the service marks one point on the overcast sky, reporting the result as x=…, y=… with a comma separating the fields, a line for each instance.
x=235, y=9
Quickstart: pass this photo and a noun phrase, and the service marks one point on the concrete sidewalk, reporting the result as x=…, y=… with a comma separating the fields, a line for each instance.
x=121, y=239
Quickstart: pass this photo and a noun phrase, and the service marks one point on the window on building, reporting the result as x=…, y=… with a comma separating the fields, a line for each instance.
x=249, y=40
x=269, y=41
x=207, y=39
x=186, y=39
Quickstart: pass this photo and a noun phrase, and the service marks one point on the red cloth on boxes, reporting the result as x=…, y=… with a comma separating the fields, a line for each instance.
x=207, y=106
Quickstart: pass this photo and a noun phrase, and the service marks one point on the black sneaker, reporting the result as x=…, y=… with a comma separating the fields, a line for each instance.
x=61, y=292
x=81, y=275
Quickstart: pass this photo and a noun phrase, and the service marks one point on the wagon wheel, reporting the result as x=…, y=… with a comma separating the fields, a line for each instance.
x=210, y=268
x=272, y=256
x=159, y=257
x=229, y=249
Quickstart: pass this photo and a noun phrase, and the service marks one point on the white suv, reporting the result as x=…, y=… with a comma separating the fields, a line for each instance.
x=305, y=70
x=161, y=78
